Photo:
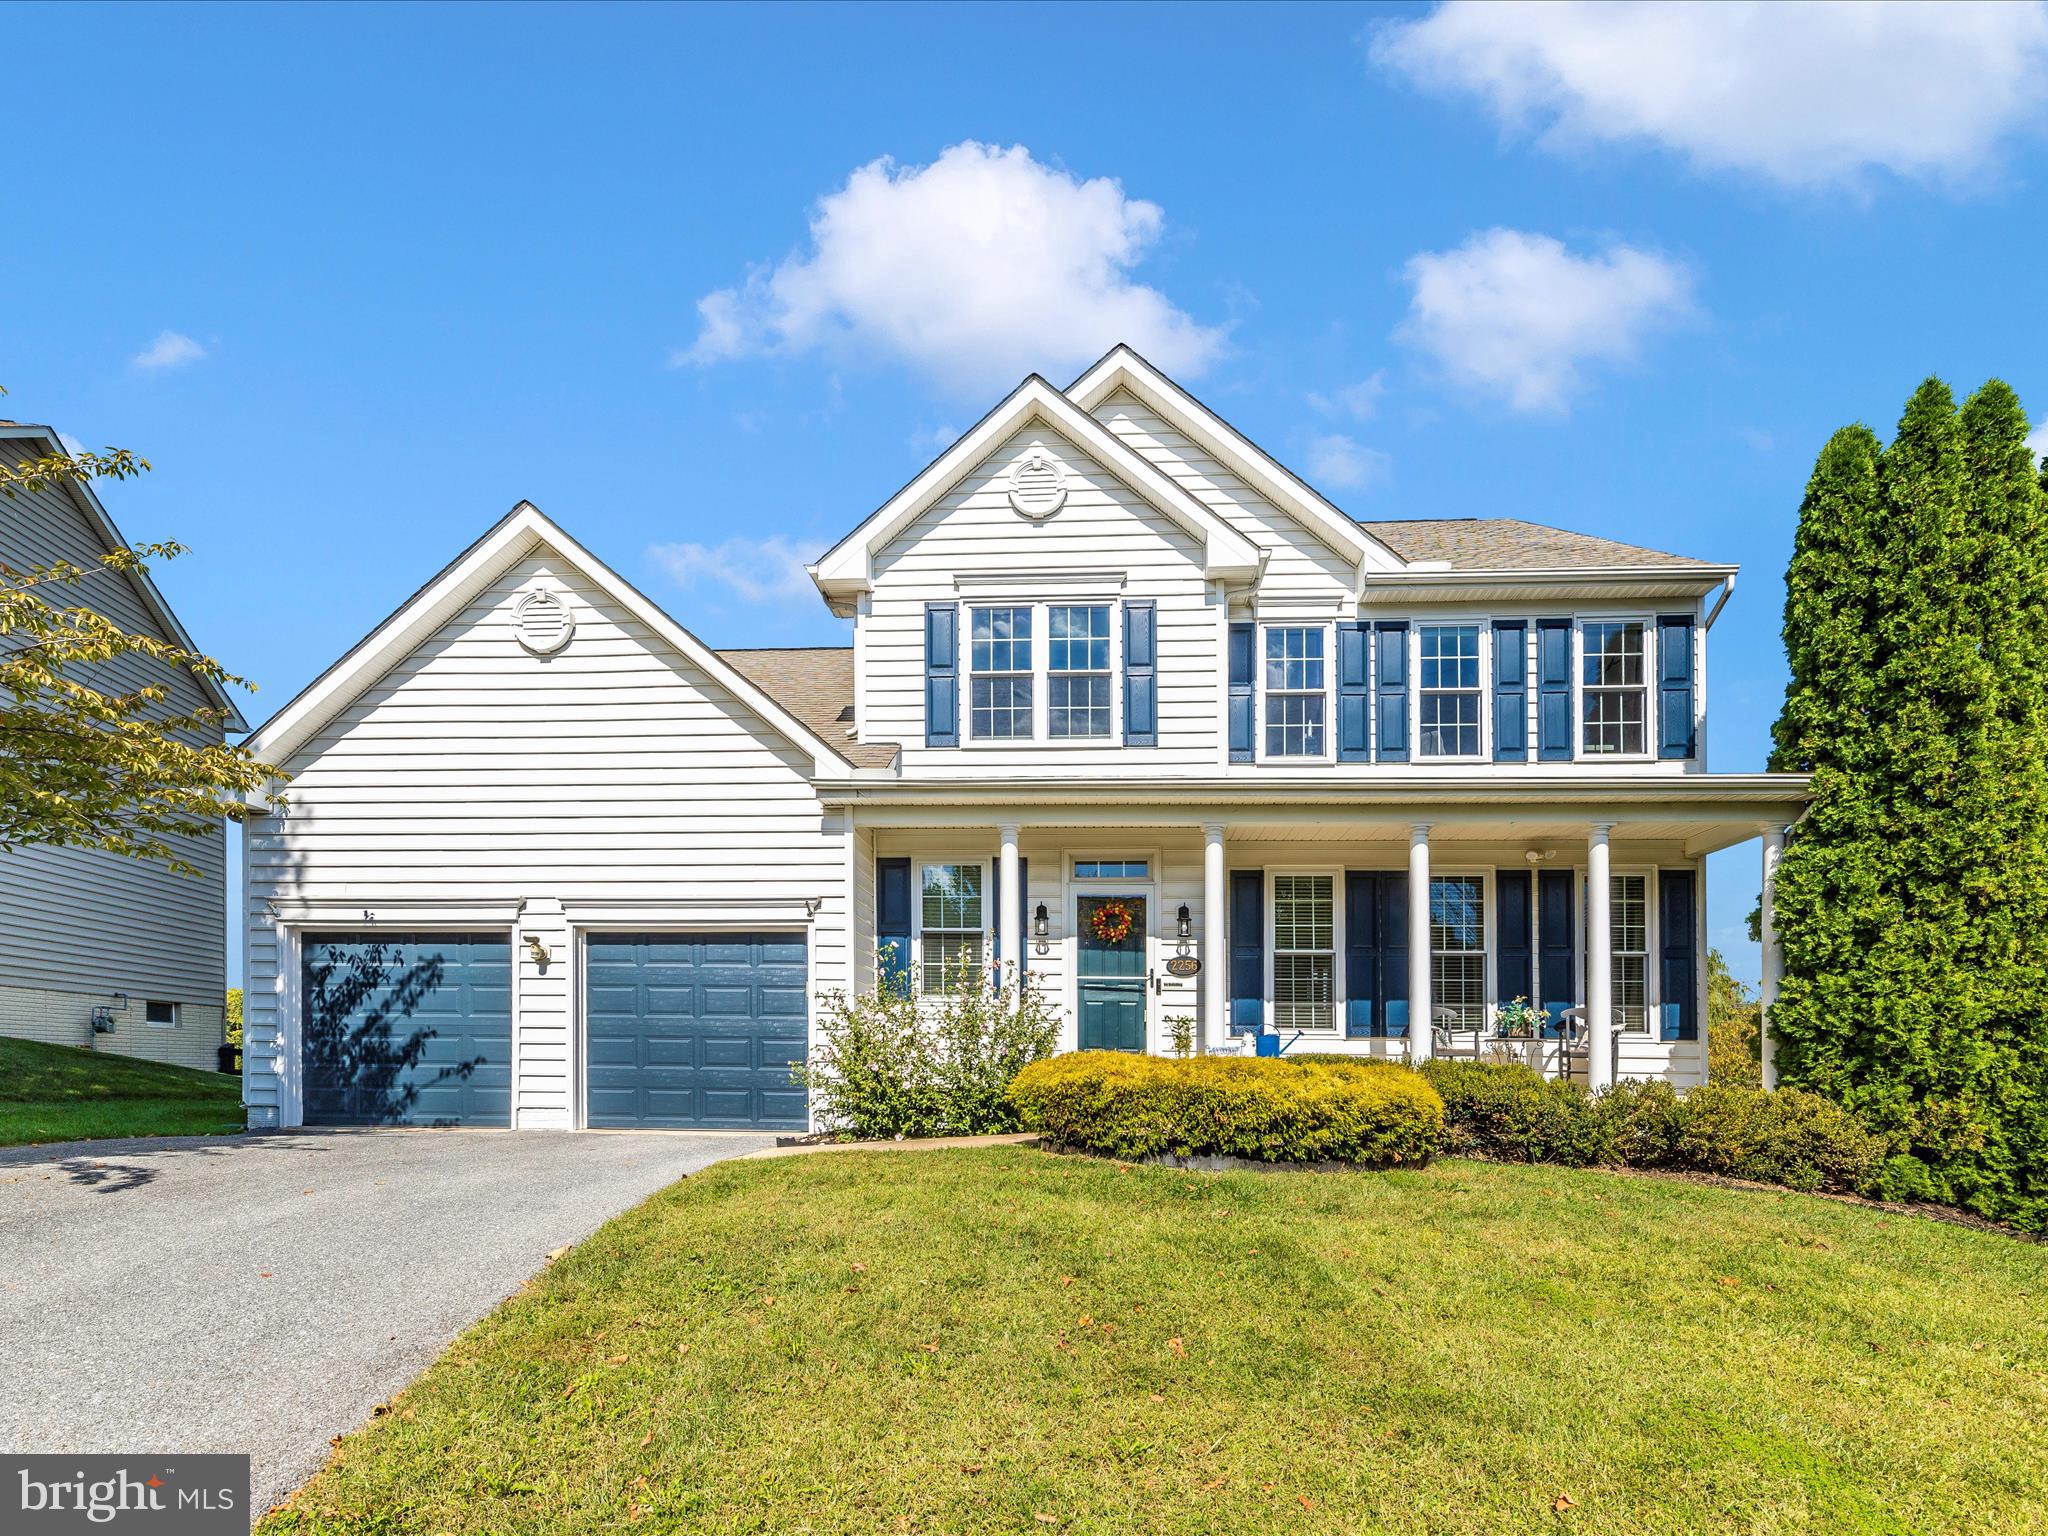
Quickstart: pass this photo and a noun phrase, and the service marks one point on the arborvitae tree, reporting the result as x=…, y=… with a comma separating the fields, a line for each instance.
x=1913, y=898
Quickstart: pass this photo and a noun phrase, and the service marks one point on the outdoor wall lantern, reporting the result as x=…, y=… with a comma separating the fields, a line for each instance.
x=1187, y=927
x=1040, y=926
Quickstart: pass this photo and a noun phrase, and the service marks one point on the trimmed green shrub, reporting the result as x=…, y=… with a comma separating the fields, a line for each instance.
x=1273, y=1111
x=891, y=1064
x=1788, y=1137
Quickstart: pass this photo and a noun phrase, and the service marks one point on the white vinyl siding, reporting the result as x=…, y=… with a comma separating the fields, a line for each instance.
x=85, y=923
x=475, y=775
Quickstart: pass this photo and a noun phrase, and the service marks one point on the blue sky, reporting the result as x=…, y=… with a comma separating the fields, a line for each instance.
x=358, y=280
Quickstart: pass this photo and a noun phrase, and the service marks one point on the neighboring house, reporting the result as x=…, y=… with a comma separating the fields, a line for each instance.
x=85, y=932
x=551, y=861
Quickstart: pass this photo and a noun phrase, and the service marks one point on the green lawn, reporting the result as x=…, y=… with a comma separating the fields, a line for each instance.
x=57, y=1093
x=1005, y=1340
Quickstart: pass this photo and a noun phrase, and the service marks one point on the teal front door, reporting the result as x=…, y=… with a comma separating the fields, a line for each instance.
x=1111, y=972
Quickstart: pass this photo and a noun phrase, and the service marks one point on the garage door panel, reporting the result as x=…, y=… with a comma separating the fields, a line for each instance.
x=695, y=1030
x=406, y=1029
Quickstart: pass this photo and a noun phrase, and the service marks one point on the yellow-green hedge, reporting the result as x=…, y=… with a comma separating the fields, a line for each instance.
x=1271, y=1111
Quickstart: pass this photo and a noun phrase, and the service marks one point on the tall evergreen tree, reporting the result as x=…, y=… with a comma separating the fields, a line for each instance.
x=1913, y=897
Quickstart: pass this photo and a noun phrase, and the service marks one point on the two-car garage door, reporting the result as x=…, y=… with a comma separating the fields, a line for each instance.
x=694, y=1030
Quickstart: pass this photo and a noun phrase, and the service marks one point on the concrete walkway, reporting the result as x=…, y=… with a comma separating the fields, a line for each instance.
x=262, y=1294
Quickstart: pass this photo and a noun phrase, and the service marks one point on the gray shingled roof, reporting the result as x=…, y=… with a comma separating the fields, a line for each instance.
x=814, y=683
x=1508, y=544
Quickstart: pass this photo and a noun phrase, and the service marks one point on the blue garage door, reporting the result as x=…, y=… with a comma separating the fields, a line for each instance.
x=695, y=1029
x=407, y=1028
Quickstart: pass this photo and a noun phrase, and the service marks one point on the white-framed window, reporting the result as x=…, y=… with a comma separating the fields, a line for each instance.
x=1304, y=951
x=1457, y=947
x=999, y=673
x=162, y=1014
x=1628, y=928
x=1112, y=869
x=1614, y=691
x=1077, y=686
x=952, y=928
x=1449, y=702
x=1296, y=688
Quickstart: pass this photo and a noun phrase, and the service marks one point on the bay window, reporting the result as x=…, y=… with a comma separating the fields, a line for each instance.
x=1613, y=687
x=1297, y=679
x=1457, y=948
x=951, y=929
x=999, y=673
x=1448, y=693
x=1304, y=952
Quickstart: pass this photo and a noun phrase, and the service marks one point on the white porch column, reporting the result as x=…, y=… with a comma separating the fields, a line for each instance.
x=1599, y=962
x=1215, y=1025
x=1421, y=1025
x=1774, y=953
x=1010, y=904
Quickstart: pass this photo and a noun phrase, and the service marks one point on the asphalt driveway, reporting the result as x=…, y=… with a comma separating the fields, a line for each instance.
x=262, y=1294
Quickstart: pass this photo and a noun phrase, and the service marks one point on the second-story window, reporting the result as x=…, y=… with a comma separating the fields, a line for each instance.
x=999, y=661
x=1612, y=681
x=1077, y=670
x=1449, y=692
x=1296, y=680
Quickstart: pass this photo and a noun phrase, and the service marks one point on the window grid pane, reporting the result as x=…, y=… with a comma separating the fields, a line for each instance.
x=1294, y=725
x=1112, y=869
x=1448, y=703
x=999, y=658
x=950, y=961
x=1078, y=638
x=1628, y=927
x=1303, y=912
x=1457, y=947
x=1295, y=677
x=1303, y=992
x=1612, y=675
x=1077, y=705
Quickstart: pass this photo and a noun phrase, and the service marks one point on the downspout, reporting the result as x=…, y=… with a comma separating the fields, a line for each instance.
x=1713, y=613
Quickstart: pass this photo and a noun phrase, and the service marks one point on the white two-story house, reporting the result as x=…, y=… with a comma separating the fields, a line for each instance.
x=1129, y=708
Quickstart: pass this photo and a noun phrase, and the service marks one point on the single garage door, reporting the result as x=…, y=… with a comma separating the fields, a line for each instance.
x=695, y=1029
x=407, y=1028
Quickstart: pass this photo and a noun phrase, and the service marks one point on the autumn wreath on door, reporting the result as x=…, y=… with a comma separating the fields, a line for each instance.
x=1111, y=922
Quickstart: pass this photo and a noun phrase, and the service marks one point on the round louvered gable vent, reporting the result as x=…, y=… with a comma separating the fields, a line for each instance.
x=1038, y=485
x=543, y=623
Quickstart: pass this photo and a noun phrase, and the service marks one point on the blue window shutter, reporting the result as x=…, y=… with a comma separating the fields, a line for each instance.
x=1247, y=950
x=1674, y=687
x=1392, y=687
x=892, y=920
x=1557, y=957
x=942, y=674
x=1352, y=745
x=1361, y=954
x=1393, y=998
x=1243, y=668
x=995, y=913
x=1514, y=956
x=1554, y=690
x=1141, y=677
x=1510, y=693
x=1677, y=915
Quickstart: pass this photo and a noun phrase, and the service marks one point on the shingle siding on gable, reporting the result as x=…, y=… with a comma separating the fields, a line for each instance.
x=88, y=923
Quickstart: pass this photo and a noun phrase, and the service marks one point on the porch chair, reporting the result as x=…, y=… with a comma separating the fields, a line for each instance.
x=1443, y=1033
x=1575, y=1040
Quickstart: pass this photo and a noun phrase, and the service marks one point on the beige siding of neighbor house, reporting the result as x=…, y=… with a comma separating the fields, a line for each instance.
x=78, y=925
x=614, y=775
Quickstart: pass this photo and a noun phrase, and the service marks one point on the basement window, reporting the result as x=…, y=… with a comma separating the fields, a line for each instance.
x=164, y=1015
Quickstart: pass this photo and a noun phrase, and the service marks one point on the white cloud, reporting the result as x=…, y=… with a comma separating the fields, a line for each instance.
x=976, y=269
x=171, y=349
x=1518, y=316
x=1805, y=95
x=2038, y=443
x=1345, y=464
x=769, y=570
x=1360, y=400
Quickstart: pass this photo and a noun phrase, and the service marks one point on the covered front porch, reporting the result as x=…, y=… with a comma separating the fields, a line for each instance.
x=1389, y=921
